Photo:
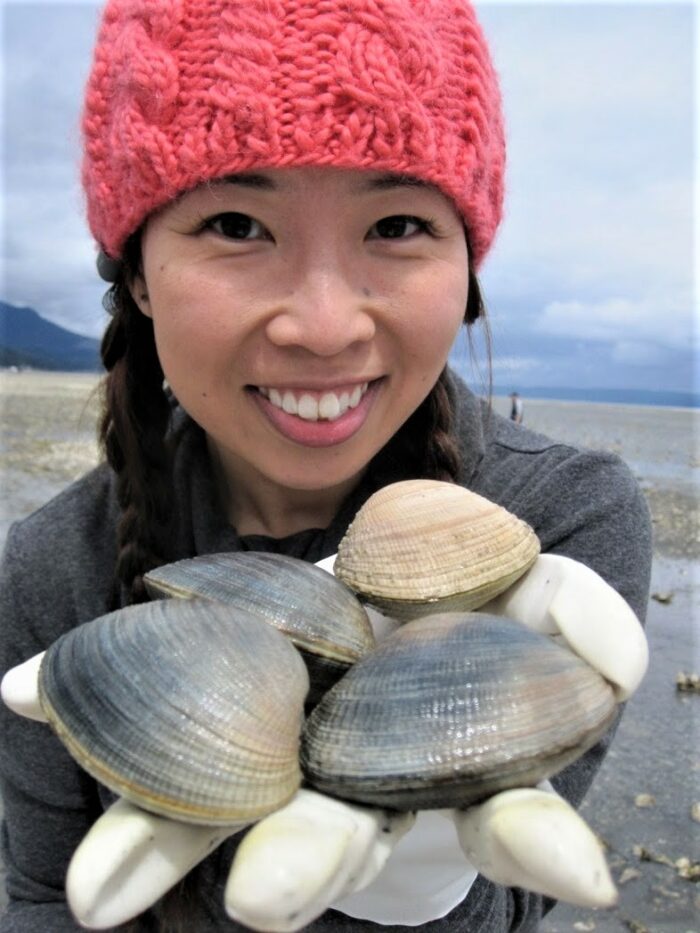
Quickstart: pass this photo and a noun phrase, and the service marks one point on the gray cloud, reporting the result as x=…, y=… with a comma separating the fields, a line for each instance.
x=594, y=260
x=47, y=251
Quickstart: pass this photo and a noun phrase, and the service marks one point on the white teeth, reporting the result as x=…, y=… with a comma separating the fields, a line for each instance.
x=308, y=408
x=329, y=407
x=289, y=403
x=355, y=396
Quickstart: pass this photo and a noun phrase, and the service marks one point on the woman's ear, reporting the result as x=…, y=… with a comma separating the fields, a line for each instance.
x=139, y=292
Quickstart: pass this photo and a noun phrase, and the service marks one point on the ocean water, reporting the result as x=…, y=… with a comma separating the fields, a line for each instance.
x=656, y=397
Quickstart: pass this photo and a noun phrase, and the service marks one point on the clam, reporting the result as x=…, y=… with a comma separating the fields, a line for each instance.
x=194, y=712
x=451, y=709
x=183, y=707
x=323, y=618
x=421, y=546
x=192, y=707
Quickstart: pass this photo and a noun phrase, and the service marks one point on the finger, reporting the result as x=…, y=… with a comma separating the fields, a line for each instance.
x=562, y=596
x=20, y=689
x=533, y=839
x=297, y=861
x=129, y=859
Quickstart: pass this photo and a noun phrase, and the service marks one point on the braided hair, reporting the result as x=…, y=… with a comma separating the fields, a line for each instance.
x=135, y=437
x=133, y=433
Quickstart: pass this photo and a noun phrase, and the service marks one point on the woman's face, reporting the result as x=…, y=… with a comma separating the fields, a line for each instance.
x=301, y=315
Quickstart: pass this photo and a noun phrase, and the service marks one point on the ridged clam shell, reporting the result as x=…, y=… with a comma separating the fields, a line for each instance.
x=451, y=709
x=183, y=707
x=418, y=542
x=324, y=619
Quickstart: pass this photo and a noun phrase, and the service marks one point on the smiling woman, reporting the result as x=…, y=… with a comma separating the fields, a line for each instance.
x=292, y=202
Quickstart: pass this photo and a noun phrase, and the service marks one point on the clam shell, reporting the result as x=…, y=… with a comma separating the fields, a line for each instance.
x=451, y=709
x=421, y=546
x=183, y=707
x=324, y=619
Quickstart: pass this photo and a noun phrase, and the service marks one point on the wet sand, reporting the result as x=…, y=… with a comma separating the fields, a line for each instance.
x=47, y=437
x=642, y=801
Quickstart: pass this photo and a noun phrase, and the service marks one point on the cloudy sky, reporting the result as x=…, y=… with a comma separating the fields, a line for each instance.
x=591, y=280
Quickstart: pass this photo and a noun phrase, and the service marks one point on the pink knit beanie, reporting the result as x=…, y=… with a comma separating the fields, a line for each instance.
x=183, y=91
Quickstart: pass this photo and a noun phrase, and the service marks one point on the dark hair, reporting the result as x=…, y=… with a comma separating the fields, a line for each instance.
x=134, y=434
x=135, y=437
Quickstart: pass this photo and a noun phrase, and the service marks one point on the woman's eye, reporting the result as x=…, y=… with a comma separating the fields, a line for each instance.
x=397, y=227
x=236, y=226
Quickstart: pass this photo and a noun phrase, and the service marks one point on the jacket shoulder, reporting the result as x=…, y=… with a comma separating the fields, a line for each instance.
x=585, y=504
x=58, y=563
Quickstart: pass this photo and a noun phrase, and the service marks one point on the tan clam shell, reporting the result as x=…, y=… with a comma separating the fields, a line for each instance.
x=419, y=541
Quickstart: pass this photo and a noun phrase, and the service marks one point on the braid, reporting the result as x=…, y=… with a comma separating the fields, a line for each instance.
x=136, y=415
x=442, y=459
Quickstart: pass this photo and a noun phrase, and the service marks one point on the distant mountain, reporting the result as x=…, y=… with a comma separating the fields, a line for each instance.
x=27, y=339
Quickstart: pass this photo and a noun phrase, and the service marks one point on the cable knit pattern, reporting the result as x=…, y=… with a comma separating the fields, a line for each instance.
x=182, y=91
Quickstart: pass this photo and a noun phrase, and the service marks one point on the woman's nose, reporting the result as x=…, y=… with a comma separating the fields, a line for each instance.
x=326, y=315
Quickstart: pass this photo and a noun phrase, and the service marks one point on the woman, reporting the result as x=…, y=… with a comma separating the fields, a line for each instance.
x=292, y=200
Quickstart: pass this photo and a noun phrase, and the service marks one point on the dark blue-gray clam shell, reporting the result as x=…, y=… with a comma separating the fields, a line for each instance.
x=324, y=619
x=451, y=709
x=186, y=708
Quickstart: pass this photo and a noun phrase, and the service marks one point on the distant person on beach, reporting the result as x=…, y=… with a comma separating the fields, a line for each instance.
x=516, y=408
x=293, y=202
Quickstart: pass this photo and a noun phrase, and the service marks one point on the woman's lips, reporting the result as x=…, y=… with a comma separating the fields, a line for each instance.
x=317, y=418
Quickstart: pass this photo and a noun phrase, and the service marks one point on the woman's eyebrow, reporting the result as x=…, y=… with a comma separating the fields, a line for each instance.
x=249, y=180
x=383, y=182
x=393, y=180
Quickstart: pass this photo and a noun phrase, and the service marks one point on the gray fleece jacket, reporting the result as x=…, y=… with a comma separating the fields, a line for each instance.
x=56, y=574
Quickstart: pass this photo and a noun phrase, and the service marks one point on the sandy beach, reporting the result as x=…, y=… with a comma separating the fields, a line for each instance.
x=47, y=437
x=645, y=803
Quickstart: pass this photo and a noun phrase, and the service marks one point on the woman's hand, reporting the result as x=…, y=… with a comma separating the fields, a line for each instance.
x=311, y=853
x=563, y=598
x=295, y=863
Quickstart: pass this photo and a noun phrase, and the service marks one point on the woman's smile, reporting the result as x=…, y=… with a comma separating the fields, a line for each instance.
x=317, y=418
x=313, y=404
